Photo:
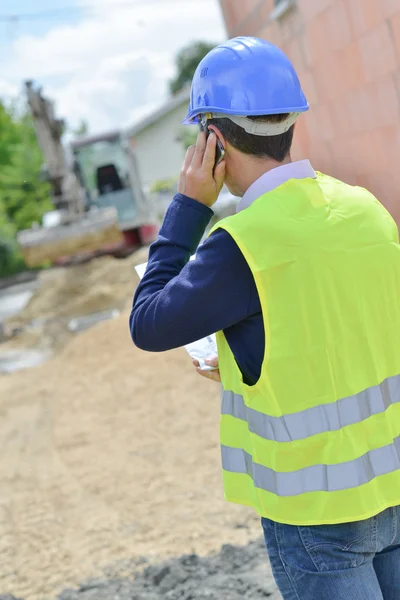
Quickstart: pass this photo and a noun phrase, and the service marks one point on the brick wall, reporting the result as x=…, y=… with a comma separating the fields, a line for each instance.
x=347, y=54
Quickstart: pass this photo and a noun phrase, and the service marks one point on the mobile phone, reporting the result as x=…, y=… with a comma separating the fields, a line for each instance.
x=220, y=150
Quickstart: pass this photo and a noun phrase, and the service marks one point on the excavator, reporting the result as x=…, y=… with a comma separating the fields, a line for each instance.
x=99, y=204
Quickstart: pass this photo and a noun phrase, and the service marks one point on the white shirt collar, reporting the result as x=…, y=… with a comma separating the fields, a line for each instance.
x=300, y=169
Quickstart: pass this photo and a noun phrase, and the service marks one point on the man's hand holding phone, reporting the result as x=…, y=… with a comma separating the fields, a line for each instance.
x=202, y=179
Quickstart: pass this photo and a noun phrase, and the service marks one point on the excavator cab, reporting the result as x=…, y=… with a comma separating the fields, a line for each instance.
x=108, y=180
x=72, y=230
x=99, y=205
x=109, y=177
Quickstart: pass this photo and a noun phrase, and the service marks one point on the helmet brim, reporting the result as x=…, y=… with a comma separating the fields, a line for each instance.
x=192, y=118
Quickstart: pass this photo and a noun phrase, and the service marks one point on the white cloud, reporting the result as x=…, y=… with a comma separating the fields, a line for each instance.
x=115, y=62
x=7, y=88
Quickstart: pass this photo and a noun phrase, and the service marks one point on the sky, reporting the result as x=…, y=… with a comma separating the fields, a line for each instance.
x=105, y=61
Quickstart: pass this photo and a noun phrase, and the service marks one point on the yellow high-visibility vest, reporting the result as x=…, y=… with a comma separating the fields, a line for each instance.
x=317, y=439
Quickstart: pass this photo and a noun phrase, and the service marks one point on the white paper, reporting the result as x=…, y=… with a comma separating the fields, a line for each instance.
x=201, y=350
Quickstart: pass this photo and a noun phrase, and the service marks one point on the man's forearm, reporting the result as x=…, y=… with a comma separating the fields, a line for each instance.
x=184, y=225
x=177, y=301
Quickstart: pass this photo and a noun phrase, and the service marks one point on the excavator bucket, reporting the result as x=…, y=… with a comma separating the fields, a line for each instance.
x=92, y=232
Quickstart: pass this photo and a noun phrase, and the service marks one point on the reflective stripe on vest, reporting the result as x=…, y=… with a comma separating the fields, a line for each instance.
x=317, y=478
x=319, y=419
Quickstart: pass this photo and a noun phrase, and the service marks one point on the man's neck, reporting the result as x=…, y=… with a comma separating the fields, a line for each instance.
x=256, y=168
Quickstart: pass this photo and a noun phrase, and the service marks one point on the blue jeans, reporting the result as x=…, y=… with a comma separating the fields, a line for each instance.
x=350, y=561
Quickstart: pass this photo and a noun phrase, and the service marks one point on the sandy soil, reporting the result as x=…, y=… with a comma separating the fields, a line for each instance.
x=100, y=285
x=95, y=286
x=106, y=454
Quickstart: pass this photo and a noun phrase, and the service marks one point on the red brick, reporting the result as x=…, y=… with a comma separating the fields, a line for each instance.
x=364, y=15
x=236, y=11
x=395, y=23
x=326, y=131
x=389, y=7
x=266, y=7
x=229, y=14
x=386, y=188
x=316, y=39
x=377, y=184
x=360, y=109
x=337, y=26
x=247, y=6
x=305, y=48
x=311, y=8
x=247, y=27
x=224, y=5
x=364, y=159
x=290, y=25
x=389, y=136
x=346, y=155
x=374, y=105
x=386, y=106
x=377, y=51
x=293, y=51
x=384, y=141
x=270, y=33
x=321, y=156
x=308, y=84
x=260, y=17
x=328, y=78
x=366, y=154
x=396, y=79
x=352, y=66
x=256, y=16
x=340, y=116
x=251, y=15
x=329, y=31
x=301, y=141
x=312, y=126
x=383, y=180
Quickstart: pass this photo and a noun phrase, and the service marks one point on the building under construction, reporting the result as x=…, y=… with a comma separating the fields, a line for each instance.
x=347, y=55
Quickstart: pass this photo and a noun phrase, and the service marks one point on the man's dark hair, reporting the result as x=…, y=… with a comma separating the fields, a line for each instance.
x=276, y=147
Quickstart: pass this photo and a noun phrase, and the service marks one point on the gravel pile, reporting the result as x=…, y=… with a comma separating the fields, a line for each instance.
x=235, y=573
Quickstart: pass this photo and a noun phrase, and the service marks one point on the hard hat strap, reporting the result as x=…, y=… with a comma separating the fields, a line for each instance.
x=261, y=128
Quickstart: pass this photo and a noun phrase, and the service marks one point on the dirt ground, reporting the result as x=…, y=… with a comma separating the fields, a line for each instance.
x=108, y=454
x=235, y=573
x=100, y=285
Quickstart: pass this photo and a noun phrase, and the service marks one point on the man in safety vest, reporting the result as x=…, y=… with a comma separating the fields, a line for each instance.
x=303, y=286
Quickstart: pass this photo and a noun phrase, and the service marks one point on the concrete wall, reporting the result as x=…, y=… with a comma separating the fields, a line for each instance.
x=347, y=53
x=159, y=148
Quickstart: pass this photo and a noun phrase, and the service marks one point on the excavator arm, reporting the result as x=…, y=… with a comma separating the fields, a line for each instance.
x=71, y=231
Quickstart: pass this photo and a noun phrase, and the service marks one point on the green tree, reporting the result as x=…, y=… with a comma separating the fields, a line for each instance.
x=9, y=135
x=11, y=260
x=24, y=196
x=186, y=62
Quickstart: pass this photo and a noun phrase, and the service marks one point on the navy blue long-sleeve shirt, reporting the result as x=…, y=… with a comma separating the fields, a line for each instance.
x=178, y=302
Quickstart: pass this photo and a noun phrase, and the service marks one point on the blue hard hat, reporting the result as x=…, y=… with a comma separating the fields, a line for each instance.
x=245, y=76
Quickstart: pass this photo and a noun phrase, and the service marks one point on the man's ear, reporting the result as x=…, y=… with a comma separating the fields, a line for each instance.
x=218, y=134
